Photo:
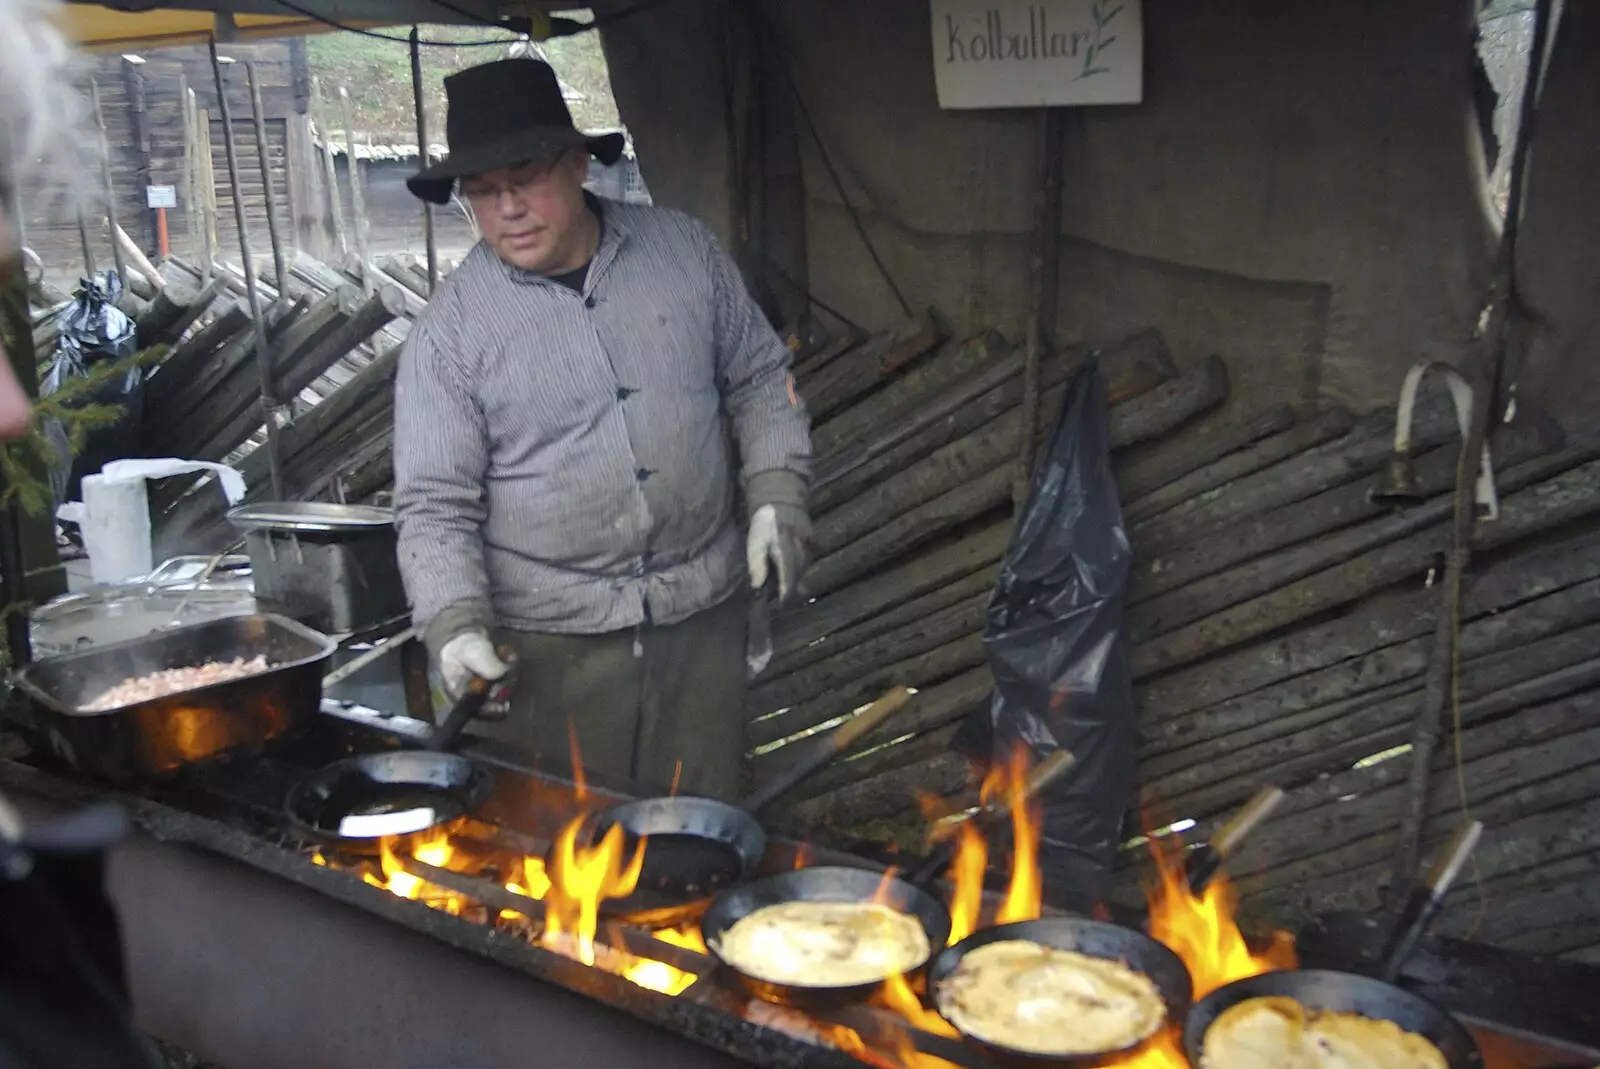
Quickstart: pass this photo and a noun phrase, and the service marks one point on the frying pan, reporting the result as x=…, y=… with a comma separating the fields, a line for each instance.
x=823, y=883
x=694, y=847
x=356, y=803
x=826, y=883
x=1324, y=989
x=1096, y=939
x=1103, y=939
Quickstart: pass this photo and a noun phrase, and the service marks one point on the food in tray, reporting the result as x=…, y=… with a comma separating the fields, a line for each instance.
x=824, y=944
x=1037, y=999
x=1280, y=1033
x=174, y=681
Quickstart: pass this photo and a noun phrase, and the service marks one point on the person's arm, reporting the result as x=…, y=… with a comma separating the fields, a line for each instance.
x=769, y=419
x=771, y=425
x=441, y=457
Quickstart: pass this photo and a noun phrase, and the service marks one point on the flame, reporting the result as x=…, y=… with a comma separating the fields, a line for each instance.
x=1024, y=894
x=658, y=975
x=581, y=877
x=1201, y=930
x=967, y=869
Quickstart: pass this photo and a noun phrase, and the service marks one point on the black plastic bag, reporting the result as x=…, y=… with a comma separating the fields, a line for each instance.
x=1056, y=645
x=94, y=331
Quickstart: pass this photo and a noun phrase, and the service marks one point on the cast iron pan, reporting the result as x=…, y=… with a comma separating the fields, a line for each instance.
x=1323, y=989
x=1096, y=939
x=356, y=803
x=823, y=883
x=695, y=847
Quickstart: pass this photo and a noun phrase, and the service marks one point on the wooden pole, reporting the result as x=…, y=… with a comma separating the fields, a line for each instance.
x=189, y=189
x=1046, y=263
x=358, y=197
x=422, y=151
x=139, y=119
x=263, y=353
x=280, y=268
x=1486, y=389
x=206, y=176
x=331, y=174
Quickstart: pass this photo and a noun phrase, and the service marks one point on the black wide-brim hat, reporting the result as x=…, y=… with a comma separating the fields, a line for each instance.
x=502, y=114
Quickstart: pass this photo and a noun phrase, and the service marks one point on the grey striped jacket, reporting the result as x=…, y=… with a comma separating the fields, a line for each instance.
x=561, y=460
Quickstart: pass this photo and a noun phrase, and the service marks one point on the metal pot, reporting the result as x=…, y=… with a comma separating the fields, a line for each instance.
x=75, y=622
x=155, y=738
x=330, y=566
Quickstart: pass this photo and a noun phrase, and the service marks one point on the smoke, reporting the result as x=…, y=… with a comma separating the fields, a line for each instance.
x=44, y=136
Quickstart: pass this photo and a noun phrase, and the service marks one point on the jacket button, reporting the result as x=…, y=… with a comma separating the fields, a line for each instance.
x=589, y=302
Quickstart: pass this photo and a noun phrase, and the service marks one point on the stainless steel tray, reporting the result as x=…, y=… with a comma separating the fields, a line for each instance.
x=157, y=737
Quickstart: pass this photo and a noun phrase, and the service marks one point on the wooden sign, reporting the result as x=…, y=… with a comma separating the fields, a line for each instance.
x=1037, y=53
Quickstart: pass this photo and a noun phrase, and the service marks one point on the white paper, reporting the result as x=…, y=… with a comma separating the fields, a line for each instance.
x=167, y=467
x=114, y=514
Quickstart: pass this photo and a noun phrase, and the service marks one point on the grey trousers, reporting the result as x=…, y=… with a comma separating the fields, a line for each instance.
x=681, y=699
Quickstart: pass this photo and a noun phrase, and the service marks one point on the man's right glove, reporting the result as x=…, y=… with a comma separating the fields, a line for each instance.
x=466, y=655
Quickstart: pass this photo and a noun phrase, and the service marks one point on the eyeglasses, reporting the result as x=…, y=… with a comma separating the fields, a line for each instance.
x=521, y=180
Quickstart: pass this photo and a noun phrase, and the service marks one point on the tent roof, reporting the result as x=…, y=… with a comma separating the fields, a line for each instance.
x=132, y=25
x=103, y=29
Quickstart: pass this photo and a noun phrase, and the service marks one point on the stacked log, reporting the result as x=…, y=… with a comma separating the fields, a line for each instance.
x=1279, y=620
x=335, y=343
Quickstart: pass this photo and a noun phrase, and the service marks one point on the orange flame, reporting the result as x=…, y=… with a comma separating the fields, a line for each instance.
x=1024, y=894
x=1201, y=929
x=967, y=869
x=658, y=975
x=581, y=877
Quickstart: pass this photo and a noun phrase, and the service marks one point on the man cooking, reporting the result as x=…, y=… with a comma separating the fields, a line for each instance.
x=564, y=484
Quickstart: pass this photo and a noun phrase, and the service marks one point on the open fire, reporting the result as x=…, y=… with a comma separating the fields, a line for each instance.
x=1199, y=928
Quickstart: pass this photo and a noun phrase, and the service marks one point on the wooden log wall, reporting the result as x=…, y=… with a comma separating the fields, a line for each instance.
x=1279, y=620
x=335, y=351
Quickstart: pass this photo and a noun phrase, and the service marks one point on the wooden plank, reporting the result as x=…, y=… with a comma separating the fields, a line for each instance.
x=1147, y=503
x=1571, y=495
x=789, y=658
x=1167, y=612
x=905, y=532
x=1366, y=449
x=853, y=662
x=1330, y=510
x=923, y=669
x=1167, y=742
x=952, y=364
x=1379, y=623
x=1223, y=772
x=1210, y=440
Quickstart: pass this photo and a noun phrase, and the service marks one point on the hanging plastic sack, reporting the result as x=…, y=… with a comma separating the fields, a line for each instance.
x=1056, y=645
x=94, y=331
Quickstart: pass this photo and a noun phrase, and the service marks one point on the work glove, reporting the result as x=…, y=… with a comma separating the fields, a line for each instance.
x=780, y=530
x=466, y=655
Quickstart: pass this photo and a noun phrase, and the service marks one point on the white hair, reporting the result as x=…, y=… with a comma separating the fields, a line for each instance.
x=41, y=108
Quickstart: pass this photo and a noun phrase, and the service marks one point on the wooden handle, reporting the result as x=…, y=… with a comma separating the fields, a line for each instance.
x=851, y=731
x=1047, y=772
x=1453, y=858
x=1227, y=838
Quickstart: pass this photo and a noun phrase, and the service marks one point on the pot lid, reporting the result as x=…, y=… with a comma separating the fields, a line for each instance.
x=308, y=516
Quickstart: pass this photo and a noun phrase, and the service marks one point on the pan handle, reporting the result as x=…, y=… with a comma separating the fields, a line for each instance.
x=479, y=693
x=1040, y=776
x=1206, y=862
x=841, y=739
x=1426, y=899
